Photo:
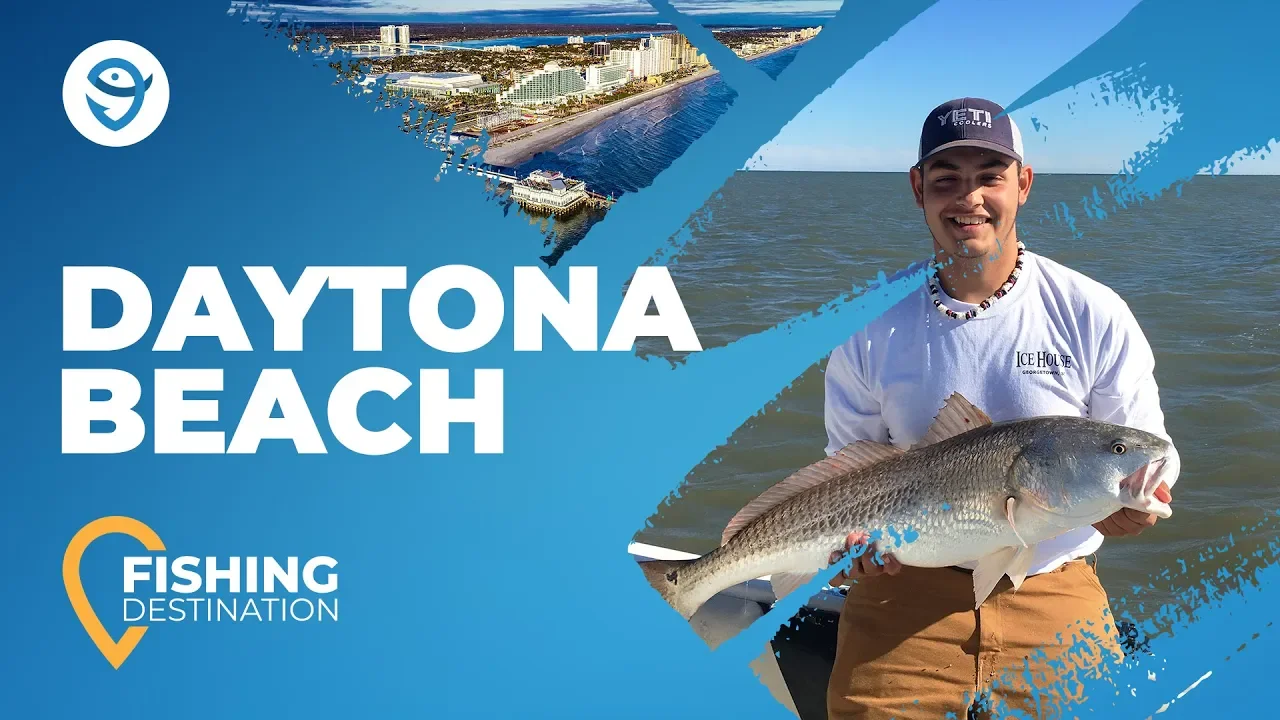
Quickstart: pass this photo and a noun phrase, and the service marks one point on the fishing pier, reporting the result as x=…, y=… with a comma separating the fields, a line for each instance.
x=544, y=191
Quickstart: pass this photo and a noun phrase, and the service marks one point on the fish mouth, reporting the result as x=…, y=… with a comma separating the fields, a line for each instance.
x=1146, y=489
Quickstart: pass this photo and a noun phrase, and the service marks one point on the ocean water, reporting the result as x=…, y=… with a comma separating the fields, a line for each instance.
x=1201, y=273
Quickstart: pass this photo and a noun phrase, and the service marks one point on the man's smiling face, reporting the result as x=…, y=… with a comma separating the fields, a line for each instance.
x=970, y=199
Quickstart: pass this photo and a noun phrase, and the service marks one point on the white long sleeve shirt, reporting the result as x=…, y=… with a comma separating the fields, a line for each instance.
x=1059, y=343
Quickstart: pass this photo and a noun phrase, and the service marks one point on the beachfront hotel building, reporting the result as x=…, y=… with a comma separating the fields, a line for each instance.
x=643, y=62
x=681, y=51
x=551, y=84
x=664, y=49
x=607, y=77
x=684, y=54
x=394, y=34
x=640, y=65
x=429, y=85
x=796, y=36
x=600, y=49
x=658, y=56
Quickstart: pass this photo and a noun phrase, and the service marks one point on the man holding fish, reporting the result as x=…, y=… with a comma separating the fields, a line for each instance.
x=1018, y=336
x=984, y=435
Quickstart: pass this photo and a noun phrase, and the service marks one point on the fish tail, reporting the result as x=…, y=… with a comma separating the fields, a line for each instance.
x=664, y=576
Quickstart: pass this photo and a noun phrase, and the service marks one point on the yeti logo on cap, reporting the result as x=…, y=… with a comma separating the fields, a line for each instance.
x=967, y=116
x=969, y=122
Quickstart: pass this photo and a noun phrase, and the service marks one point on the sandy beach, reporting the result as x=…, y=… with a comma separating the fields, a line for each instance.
x=523, y=144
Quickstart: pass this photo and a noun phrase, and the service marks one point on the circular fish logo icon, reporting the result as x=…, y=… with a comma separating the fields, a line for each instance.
x=115, y=93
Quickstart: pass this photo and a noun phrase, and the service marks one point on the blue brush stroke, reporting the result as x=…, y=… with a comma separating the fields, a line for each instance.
x=1204, y=60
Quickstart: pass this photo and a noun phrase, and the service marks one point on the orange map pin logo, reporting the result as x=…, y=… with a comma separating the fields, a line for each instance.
x=114, y=652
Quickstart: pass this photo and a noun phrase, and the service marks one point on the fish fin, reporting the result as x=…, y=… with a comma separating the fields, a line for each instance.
x=988, y=573
x=1017, y=570
x=957, y=416
x=1009, y=505
x=1011, y=561
x=854, y=456
x=785, y=583
x=664, y=576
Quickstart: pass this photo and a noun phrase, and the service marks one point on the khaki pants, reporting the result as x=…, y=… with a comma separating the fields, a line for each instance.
x=912, y=646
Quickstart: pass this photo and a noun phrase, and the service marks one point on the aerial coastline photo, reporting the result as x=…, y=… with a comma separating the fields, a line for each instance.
x=571, y=116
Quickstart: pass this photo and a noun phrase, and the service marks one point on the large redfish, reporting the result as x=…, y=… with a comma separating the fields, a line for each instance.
x=970, y=491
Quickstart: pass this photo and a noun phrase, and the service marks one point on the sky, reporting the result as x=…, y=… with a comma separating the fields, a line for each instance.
x=870, y=119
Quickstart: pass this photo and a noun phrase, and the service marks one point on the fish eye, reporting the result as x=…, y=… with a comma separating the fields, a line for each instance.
x=115, y=76
x=1118, y=448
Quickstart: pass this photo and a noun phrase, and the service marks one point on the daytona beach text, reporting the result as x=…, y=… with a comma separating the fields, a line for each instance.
x=535, y=299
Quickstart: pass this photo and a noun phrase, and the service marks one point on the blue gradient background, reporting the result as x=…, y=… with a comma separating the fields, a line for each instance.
x=470, y=585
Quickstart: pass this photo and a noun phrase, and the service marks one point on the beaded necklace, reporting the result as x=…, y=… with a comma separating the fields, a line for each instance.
x=935, y=282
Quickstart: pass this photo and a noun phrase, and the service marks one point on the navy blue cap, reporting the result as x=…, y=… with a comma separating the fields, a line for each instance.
x=970, y=122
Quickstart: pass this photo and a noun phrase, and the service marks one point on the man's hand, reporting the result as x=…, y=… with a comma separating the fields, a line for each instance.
x=864, y=565
x=1125, y=521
